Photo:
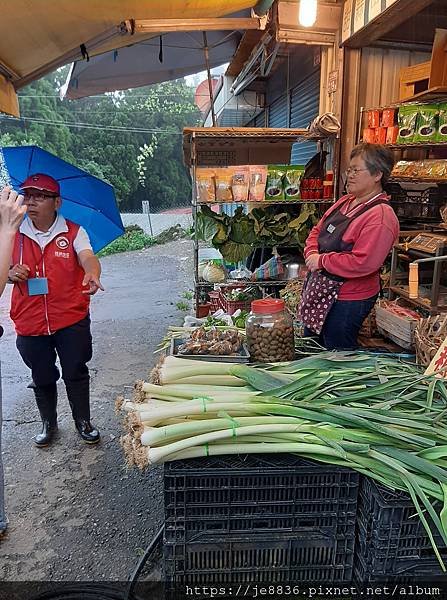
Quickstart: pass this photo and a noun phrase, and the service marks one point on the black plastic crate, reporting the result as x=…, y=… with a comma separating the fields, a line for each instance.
x=255, y=493
x=391, y=540
x=417, y=204
x=283, y=557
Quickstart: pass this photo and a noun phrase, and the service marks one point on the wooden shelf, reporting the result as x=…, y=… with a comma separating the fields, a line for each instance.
x=420, y=302
x=433, y=95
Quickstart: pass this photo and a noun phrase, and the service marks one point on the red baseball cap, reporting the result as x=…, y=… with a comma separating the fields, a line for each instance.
x=42, y=182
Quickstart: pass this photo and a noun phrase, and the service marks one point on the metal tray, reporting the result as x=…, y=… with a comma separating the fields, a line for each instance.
x=242, y=357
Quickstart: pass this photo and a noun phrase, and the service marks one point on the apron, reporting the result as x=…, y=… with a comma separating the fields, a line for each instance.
x=321, y=288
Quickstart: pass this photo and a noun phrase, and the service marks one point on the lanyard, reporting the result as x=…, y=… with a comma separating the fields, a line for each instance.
x=38, y=262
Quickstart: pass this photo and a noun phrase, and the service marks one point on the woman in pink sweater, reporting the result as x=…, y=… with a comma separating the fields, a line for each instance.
x=346, y=249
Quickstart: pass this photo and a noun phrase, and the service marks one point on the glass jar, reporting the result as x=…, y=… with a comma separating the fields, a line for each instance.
x=270, y=331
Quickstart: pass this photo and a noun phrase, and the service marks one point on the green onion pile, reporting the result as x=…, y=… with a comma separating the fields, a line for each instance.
x=376, y=414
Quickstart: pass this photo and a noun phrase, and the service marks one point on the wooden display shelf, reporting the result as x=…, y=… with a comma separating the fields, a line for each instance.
x=420, y=302
x=435, y=94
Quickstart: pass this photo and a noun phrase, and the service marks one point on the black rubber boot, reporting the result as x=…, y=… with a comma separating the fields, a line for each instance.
x=78, y=393
x=46, y=400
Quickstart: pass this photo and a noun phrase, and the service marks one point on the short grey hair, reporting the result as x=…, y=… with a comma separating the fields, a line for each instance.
x=378, y=159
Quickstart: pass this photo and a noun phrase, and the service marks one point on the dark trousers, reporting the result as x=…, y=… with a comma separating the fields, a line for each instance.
x=73, y=346
x=342, y=325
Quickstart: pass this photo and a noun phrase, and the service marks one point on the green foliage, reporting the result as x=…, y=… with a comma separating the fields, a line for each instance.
x=140, y=165
x=268, y=226
x=130, y=240
x=183, y=306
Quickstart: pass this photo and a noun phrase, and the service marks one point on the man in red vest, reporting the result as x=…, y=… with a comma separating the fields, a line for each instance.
x=54, y=274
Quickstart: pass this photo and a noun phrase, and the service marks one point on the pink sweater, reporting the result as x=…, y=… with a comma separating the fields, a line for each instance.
x=372, y=234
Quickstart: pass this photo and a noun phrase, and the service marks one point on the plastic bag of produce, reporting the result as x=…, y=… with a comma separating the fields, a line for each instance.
x=427, y=123
x=407, y=124
x=205, y=184
x=442, y=124
x=258, y=176
x=224, y=177
x=291, y=182
x=239, y=184
x=274, y=188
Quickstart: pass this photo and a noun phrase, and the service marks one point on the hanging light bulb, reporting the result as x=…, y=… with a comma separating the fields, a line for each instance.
x=308, y=12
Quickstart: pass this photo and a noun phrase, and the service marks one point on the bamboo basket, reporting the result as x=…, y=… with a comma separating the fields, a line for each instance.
x=429, y=335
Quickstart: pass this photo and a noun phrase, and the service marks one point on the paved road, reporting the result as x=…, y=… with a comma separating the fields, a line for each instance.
x=76, y=513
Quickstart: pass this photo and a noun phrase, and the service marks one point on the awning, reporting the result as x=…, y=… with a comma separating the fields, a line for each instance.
x=151, y=61
x=39, y=37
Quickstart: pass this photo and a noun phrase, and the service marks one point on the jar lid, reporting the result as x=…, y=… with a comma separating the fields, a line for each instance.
x=267, y=306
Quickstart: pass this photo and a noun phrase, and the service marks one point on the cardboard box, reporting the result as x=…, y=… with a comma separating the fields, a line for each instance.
x=373, y=117
x=388, y=117
x=391, y=134
x=369, y=135
x=380, y=137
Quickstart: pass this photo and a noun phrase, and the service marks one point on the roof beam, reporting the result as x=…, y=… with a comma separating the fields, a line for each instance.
x=146, y=26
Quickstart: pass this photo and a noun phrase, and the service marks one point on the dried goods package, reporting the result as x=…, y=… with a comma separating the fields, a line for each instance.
x=205, y=184
x=427, y=123
x=258, y=177
x=407, y=124
x=224, y=177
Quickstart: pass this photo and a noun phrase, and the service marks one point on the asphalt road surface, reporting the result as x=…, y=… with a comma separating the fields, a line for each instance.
x=76, y=512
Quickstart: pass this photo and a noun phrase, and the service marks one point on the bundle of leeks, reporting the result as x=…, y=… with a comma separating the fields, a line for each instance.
x=378, y=415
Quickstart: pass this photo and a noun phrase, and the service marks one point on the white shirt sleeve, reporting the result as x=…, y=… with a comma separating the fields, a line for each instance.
x=81, y=241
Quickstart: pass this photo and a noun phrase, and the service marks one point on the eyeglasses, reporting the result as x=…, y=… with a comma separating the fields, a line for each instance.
x=37, y=196
x=353, y=171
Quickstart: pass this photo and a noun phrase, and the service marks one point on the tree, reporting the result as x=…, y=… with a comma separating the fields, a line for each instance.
x=131, y=139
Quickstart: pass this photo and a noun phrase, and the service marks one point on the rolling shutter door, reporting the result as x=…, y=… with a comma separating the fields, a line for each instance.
x=278, y=113
x=304, y=105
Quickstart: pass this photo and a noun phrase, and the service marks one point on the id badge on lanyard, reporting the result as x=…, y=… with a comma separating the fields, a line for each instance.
x=37, y=286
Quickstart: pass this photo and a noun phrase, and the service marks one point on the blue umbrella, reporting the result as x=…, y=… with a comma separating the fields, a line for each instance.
x=86, y=200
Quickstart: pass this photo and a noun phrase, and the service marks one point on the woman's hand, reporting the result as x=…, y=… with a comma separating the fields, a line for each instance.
x=312, y=262
x=12, y=210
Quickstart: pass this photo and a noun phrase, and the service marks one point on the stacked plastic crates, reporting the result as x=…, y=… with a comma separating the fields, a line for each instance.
x=259, y=518
x=392, y=543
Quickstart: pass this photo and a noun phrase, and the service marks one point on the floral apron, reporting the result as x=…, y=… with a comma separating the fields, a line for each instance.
x=321, y=288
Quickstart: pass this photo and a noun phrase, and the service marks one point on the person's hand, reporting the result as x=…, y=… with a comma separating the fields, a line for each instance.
x=12, y=210
x=18, y=273
x=93, y=284
x=312, y=262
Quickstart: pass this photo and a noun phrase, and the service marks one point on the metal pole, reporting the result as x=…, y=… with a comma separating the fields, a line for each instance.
x=208, y=72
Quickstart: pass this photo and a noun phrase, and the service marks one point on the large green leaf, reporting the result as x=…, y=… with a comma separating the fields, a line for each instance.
x=206, y=226
x=234, y=253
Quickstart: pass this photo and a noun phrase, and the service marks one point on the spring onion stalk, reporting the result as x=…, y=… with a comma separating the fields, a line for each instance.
x=378, y=415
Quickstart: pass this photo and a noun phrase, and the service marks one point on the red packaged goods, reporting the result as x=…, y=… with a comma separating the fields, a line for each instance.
x=373, y=118
x=381, y=135
x=369, y=135
x=388, y=117
x=391, y=134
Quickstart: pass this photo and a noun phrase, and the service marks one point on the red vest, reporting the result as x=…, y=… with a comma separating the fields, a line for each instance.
x=64, y=304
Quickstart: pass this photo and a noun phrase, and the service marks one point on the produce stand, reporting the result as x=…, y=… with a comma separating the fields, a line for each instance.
x=223, y=147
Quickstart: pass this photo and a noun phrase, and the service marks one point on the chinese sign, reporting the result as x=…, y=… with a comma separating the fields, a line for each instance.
x=439, y=361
